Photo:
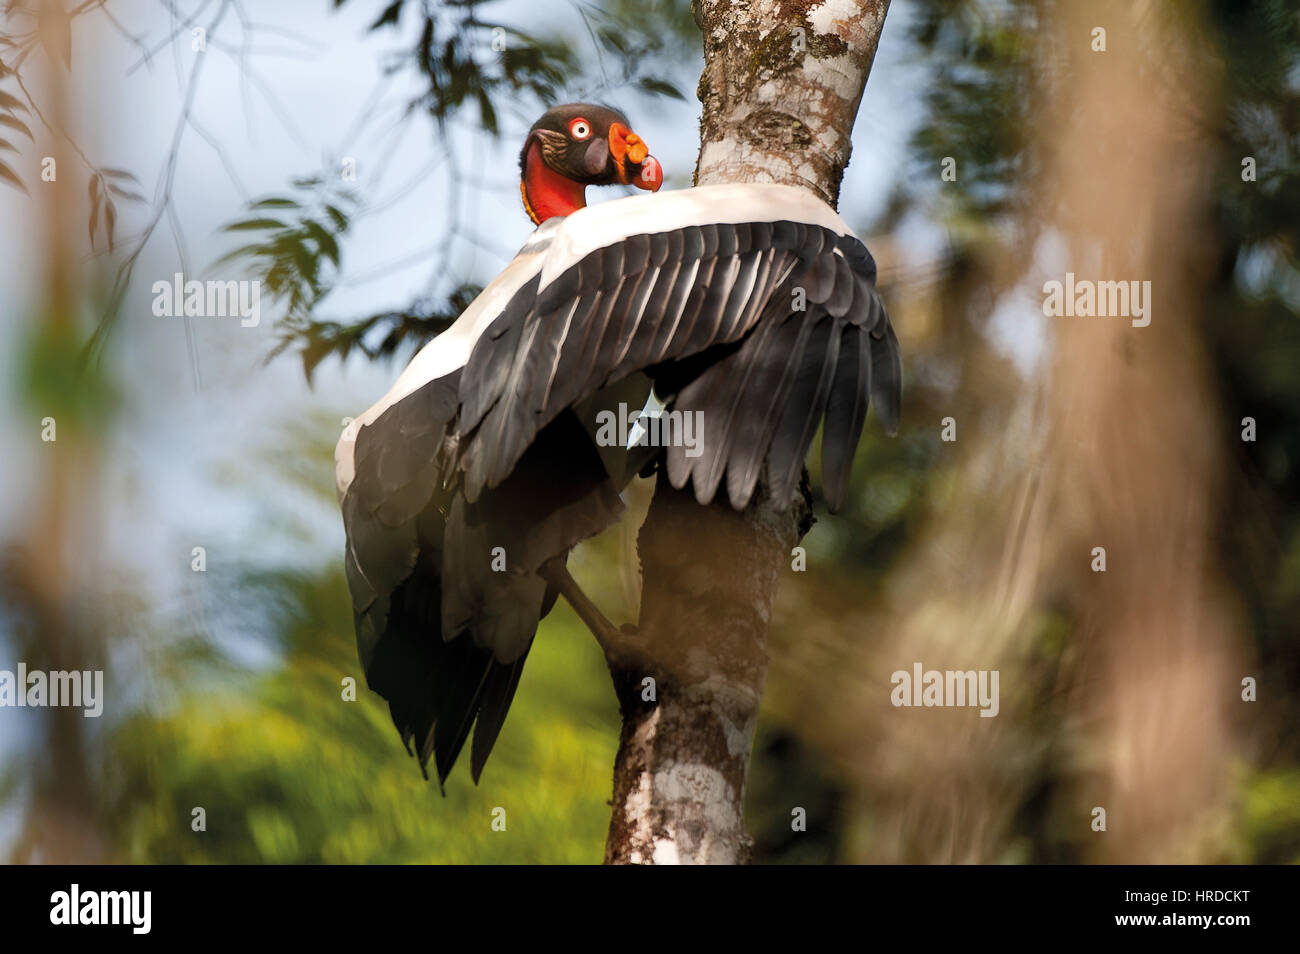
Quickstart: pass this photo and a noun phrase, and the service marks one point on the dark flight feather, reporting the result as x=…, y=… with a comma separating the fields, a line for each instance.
x=846, y=410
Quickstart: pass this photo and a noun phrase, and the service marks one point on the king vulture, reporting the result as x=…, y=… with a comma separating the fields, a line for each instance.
x=465, y=487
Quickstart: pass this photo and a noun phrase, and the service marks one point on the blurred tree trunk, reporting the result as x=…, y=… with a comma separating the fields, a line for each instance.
x=1120, y=687
x=1138, y=458
x=47, y=571
x=780, y=90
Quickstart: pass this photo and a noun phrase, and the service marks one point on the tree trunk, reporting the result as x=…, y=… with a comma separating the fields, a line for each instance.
x=44, y=576
x=781, y=85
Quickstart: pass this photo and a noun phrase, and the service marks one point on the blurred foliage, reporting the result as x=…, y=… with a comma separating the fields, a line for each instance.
x=55, y=382
x=983, y=59
x=454, y=55
x=979, y=101
x=289, y=772
x=10, y=108
x=103, y=185
x=474, y=67
x=467, y=60
x=382, y=335
x=1254, y=335
x=298, y=251
x=1271, y=829
x=297, y=257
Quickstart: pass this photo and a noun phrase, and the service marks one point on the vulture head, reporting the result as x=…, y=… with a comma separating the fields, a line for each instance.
x=577, y=145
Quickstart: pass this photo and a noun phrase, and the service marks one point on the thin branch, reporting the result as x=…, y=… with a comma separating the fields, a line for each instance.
x=302, y=38
x=268, y=93
x=183, y=253
x=58, y=133
x=189, y=21
x=403, y=192
x=380, y=271
x=164, y=193
x=222, y=155
x=121, y=28
x=245, y=51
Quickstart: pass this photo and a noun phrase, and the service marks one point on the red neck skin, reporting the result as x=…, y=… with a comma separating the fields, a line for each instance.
x=546, y=193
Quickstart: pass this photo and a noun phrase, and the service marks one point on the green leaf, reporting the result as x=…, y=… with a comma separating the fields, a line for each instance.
x=308, y=263
x=133, y=196
x=389, y=16
x=487, y=114
x=244, y=251
x=613, y=40
x=659, y=87
x=11, y=102
x=275, y=202
x=110, y=216
x=14, y=123
x=253, y=225
x=339, y=218
x=8, y=175
x=324, y=241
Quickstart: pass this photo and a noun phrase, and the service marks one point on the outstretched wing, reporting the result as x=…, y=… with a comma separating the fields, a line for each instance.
x=797, y=300
x=764, y=329
x=761, y=403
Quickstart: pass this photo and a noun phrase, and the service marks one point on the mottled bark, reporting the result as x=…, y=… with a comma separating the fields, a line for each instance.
x=780, y=90
x=781, y=86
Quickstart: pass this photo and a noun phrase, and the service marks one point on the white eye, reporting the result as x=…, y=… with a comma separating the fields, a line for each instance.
x=580, y=129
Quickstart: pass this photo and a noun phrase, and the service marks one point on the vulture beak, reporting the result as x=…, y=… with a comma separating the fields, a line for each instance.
x=633, y=160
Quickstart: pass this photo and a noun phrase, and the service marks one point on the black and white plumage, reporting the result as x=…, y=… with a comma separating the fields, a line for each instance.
x=487, y=439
